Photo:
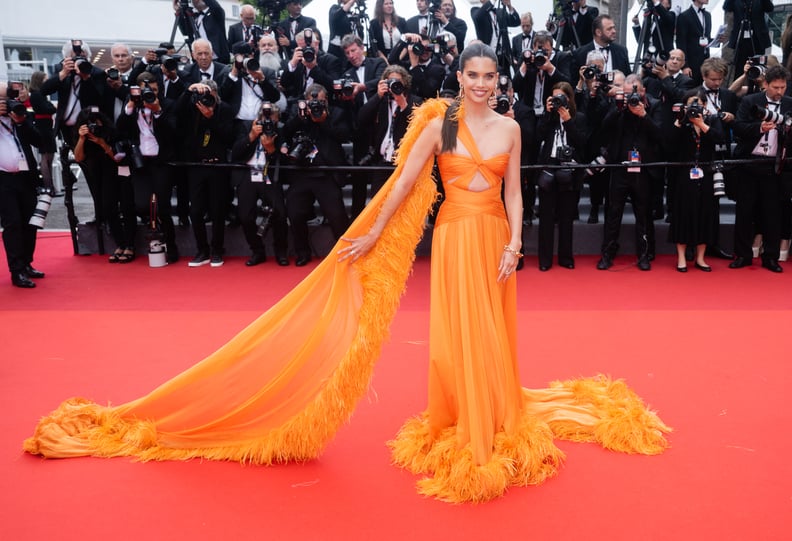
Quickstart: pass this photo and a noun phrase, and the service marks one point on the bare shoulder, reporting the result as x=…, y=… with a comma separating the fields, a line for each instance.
x=507, y=125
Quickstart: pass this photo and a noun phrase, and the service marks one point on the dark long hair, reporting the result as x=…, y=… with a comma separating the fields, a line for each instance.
x=451, y=122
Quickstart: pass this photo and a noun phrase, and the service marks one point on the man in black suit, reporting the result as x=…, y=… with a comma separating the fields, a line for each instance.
x=207, y=21
x=634, y=133
x=693, y=35
x=246, y=29
x=365, y=72
x=290, y=27
x=18, y=179
x=245, y=89
x=575, y=24
x=340, y=25
x=423, y=23
x=660, y=21
x=759, y=184
x=449, y=22
x=426, y=69
x=492, y=28
x=78, y=85
x=523, y=41
x=323, y=128
x=604, y=41
x=750, y=35
x=203, y=67
x=300, y=73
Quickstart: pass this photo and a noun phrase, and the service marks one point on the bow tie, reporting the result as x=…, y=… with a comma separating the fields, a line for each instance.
x=701, y=10
x=605, y=49
x=205, y=75
x=777, y=103
x=716, y=91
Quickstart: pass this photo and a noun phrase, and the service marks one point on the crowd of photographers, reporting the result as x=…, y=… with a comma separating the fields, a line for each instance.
x=260, y=97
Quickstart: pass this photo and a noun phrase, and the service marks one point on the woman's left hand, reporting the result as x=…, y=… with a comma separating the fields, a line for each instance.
x=358, y=247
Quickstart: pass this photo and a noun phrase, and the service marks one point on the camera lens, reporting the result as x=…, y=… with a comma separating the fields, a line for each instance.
x=396, y=87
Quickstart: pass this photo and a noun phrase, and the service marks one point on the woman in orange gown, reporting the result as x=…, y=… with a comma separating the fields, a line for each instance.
x=279, y=390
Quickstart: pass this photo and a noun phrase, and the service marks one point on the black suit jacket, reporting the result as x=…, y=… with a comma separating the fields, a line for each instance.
x=92, y=91
x=525, y=86
x=214, y=23
x=663, y=36
x=374, y=117
x=231, y=91
x=328, y=69
x=761, y=34
x=483, y=23
x=427, y=79
x=517, y=47
x=415, y=23
x=689, y=31
x=164, y=129
x=192, y=74
x=747, y=126
x=375, y=32
x=582, y=27
x=303, y=22
x=373, y=68
x=236, y=34
x=458, y=27
x=625, y=131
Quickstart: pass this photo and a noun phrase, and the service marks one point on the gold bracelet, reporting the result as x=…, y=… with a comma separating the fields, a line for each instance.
x=509, y=249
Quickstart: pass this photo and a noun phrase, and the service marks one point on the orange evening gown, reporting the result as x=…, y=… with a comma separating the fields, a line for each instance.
x=280, y=389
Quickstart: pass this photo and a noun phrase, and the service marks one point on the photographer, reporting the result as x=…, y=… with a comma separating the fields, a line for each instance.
x=425, y=68
x=204, y=20
x=246, y=29
x=386, y=28
x=492, y=28
x=422, y=24
x=248, y=85
x=385, y=118
x=78, y=84
x=147, y=126
x=118, y=77
x=166, y=66
x=295, y=23
x=695, y=137
x=256, y=145
x=209, y=135
x=43, y=111
x=561, y=132
x=693, y=36
x=761, y=128
x=313, y=136
x=660, y=26
x=523, y=41
x=450, y=23
x=340, y=26
x=604, y=41
x=752, y=80
x=576, y=24
x=309, y=65
x=95, y=154
x=18, y=179
x=633, y=130
x=203, y=68
x=749, y=33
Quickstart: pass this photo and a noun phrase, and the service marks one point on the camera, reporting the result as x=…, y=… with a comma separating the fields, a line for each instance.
x=558, y=101
x=82, y=65
x=246, y=64
x=718, y=184
x=113, y=74
x=694, y=109
x=758, y=67
x=536, y=58
x=316, y=107
x=766, y=115
x=591, y=71
x=309, y=53
x=126, y=152
x=204, y=98
x=565, y=153
x=396, y=87
x=599, y=160
x=418, y=48
x=268, y=126
x=633, y=98
x=605, y=81
x=43, y=202
x=263, y=220
x=13, y=105
x=503, y=103
x=652, y=58
x=344, y=88
x=302, y=146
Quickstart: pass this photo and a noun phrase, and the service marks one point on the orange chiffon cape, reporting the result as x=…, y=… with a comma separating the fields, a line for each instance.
x=280, y=389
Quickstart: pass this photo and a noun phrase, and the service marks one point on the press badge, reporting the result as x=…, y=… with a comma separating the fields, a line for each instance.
x=703, y=41
x=746, y=34
x=256, y=176
x=23, y=166
x=696, y=173
x=123, y=171
x=634, y=158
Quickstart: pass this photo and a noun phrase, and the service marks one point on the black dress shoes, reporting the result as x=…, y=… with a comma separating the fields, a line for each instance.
x=720, y=253
x=605, y=262
x=772, y=265
x=544, y=268
x=644, y=263
x=33, y=273
x=256, y=259
x=20, y=279
x=302, y=260
x=568, y=264
x=282, y=260
x=704, y=268
x=740, y=262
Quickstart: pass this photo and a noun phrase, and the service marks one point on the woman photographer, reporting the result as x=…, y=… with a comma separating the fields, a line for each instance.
x=94, y=152
x=386, y=28
x=562, y=135
x=694, y=205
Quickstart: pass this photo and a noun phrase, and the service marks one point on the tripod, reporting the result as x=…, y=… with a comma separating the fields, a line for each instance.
x=503, y=53
x=185, y=22
x=567, y=21
x=650, y=17
x=359, y=20
x=745, y=47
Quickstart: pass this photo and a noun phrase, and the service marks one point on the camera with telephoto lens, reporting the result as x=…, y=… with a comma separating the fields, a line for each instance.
x=396, y=87
x=558, y=101
x=653, y=58
x=718, y=184
x=591, y=71
x=204, y=98
x=344, y=88
x=503, y=103
x=302, y=146
x=263, y=220
x=766, y=115
x=245, y=64
x=43, y=202
x=758, y=67
x=268, y=126
x=309, y=53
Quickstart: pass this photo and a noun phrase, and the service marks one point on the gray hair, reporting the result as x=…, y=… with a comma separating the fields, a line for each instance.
x=595, y=56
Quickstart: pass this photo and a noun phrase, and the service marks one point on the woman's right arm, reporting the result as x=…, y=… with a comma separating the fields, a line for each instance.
x=427, y=144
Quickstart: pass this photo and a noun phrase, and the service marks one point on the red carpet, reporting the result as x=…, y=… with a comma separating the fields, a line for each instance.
x=708, y=351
